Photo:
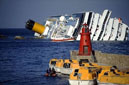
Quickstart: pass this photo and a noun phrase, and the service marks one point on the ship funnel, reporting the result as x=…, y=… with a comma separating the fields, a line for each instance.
x=34, y=26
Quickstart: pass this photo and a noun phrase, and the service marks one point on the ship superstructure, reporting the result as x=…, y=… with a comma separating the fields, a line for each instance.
x=68, y=27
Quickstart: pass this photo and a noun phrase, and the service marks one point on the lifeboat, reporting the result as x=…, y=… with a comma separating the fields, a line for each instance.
x=113, y=77
x=50, y=72
x=64, y=66
x=82, y=76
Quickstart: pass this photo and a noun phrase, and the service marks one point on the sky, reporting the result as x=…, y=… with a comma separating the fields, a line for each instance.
x=14, y=13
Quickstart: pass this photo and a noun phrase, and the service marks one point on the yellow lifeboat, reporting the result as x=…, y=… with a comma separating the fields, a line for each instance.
x=65, y=66
x=113, y=77
x=82, y=76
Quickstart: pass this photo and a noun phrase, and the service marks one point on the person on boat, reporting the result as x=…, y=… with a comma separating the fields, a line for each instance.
x=53, y=71
x=50, y=72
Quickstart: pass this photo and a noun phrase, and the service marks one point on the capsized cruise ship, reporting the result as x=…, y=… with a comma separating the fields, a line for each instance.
x=68, y=27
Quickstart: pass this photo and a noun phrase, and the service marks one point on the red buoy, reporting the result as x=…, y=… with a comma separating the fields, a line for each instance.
x=85, y=48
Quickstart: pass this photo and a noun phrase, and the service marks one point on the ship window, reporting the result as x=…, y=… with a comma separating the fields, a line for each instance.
x=127, y=72
x=104, y=34
x=53, y=62
x=71, y=61
x=89, y=71
x=106, y=73
x=81, y=64
x=66, y=65
x=112, y=70
x=99, y=71
x=84, y=60
x=76, y=72
x=90, y=64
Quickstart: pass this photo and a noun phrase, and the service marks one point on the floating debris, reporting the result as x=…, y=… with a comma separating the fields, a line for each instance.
x=18, y=38
x=2, y=36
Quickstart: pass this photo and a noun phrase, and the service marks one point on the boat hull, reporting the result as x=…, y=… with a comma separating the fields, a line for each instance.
x=82, y=82
x=110, y=84
x=66, y=71
x=61, y=40
x=57, y=69
x=51, y=66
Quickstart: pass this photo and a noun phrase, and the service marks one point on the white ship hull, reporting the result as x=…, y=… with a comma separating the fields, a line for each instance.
x=105, y=26
x=94, y=26
x=81, y=82
x=68, y=28
x=113, y=35
x=104, y=18
x=122, y=32
x=109, y=30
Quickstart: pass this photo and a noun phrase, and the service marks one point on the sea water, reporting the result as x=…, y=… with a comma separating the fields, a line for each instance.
x=24, y=62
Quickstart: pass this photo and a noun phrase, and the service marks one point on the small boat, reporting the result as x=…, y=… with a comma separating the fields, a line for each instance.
x=113, y=77
x=64, y=66
x=82, y=76
x=52, y=75
x=50, y=72
x=2, y=36
x=19, y=38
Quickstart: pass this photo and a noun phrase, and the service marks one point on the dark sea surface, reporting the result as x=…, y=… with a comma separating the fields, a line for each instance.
x=24, y=62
